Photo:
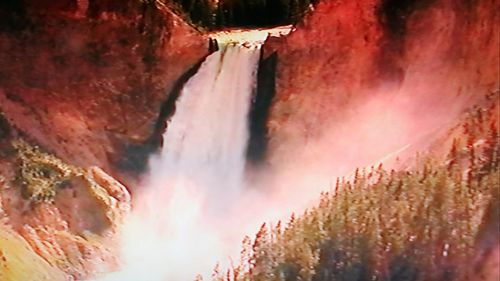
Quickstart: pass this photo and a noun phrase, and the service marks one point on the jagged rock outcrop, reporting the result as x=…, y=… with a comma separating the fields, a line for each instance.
x=64, y=219
x=86, y=79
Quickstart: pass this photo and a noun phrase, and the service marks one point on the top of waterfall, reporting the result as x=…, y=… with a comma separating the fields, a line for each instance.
x=249, y=36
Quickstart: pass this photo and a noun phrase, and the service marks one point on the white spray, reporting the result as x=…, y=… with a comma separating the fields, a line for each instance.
x=174, y=231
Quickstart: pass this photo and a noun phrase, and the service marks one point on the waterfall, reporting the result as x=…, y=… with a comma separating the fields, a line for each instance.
x=206, y=140
x=176, y=229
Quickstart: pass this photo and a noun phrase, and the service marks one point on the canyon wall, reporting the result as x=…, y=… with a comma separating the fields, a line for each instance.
x=357, y=80
x=57, y=221
x=376, y=81
x=87, y=79
x=83, y=84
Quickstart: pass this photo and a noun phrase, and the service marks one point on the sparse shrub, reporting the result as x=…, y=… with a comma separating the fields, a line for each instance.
x=41, y=174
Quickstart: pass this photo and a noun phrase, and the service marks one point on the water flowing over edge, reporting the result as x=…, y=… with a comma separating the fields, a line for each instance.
x=178, y=227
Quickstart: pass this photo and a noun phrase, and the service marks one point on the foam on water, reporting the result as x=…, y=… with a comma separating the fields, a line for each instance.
x=174, y=230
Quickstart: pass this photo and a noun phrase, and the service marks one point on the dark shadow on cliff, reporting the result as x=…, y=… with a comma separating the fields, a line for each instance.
x=214, y=15
x=393, y=16
x=259, y=113
x=135, y=156
x=12, y=16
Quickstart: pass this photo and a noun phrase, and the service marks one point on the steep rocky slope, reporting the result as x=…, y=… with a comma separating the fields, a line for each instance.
x=87, y=79
x=406, y=68
x=365, y=82
x=58, y=221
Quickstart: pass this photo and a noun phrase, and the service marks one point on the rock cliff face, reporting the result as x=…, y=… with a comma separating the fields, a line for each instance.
x=362, y=82
x=87, y=79
x=405, y=67
x=58, y=221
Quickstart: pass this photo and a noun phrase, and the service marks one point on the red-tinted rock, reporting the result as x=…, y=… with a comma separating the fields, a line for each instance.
x=357, y=85
x=86, y=79
x=358, y=73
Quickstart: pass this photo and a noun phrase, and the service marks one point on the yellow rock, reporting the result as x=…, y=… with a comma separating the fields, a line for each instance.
x=18, y=261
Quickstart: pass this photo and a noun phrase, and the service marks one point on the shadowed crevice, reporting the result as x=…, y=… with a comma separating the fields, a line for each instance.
x=259, y=113
x=13, y=16
x=393, y=17
x=135, y=156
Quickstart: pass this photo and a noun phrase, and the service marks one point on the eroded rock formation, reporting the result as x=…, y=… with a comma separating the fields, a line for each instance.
x=59, y=221
x=86, y=79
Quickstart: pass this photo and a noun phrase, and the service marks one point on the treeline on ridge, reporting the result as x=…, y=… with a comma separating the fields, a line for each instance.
x=214, y=14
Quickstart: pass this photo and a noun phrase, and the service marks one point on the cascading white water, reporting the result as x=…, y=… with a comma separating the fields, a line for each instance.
x=206, y=139
x=173, y=232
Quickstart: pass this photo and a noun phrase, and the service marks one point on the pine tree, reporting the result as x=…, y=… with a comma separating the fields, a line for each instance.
x=294, y=10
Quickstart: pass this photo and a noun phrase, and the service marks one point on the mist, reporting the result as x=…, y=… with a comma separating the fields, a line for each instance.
x=201, y=199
